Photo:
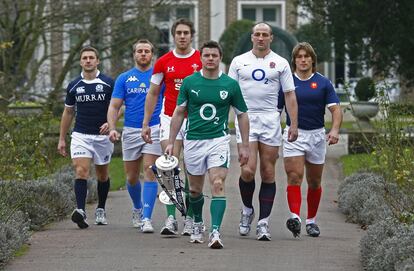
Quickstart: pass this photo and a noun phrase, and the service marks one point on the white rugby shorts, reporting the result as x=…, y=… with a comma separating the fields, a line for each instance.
x=165, y=128
x=97, y=147
x=310, y=143
x=133, y=146
x=201, y=155
x=264, y=127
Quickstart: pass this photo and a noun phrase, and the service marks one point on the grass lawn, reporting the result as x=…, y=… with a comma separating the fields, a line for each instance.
x=353, y=163
x=116, y=171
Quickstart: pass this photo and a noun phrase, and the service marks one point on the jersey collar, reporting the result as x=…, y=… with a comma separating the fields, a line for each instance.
x=296, y=75
x=220, y=73
x=183, y=56
x=97, y=74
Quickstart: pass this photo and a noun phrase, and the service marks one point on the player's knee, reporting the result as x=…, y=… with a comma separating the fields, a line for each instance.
x=218, y=186
x=82, y=172
x=314, y=183
x=268, y=173
x=294, y=178
x=247, y=174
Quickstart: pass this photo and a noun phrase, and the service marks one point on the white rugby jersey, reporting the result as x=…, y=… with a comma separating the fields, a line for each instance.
x=260, y=79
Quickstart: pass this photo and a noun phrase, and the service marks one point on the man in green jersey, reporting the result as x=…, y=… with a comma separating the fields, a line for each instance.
x=207, y=96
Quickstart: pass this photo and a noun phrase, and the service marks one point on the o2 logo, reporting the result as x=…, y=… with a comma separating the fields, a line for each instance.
x=213, y=112
x=259, y=75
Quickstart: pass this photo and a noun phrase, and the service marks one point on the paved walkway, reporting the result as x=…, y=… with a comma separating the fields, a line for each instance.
x=118, y=246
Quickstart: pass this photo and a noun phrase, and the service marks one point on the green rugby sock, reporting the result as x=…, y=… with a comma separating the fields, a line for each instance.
x=197, y=207
x=187, y=198
x=170, y=210
x=217, y=208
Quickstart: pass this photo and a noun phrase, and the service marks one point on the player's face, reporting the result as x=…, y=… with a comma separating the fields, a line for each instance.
x=210, y=59
x=88, y=61
x=261, y=37
x=182, y=37
x=143, y=54
x=303, y=61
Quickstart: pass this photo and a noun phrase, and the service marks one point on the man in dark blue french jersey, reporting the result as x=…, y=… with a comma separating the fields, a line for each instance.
x=89, y=96
x=314, y=93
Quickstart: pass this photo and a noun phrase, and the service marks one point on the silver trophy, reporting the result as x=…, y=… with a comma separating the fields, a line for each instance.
x=167, y=172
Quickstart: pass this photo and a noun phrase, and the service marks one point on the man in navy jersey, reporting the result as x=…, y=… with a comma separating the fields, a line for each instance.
x=88, y=96
x=132, y=87
x=314, y=92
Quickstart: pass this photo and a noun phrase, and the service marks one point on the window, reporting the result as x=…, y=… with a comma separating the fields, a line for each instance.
x=271, y=12
x=164, y=18
x=183, y=13
x=249, y=14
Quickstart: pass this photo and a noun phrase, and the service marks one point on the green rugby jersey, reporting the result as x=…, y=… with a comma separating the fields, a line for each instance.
x=208, y=102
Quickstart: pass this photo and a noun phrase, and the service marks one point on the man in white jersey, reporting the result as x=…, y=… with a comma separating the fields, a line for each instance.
x=207, y=97
x=261, y=73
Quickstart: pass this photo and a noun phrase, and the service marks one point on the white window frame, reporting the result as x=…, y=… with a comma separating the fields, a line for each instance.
x=261, y=4
x=168, y=24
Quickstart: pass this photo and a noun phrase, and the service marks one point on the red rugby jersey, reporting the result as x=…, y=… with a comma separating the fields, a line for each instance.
x=174, y=69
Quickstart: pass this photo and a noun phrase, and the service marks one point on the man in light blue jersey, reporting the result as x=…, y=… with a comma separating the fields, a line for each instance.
x=90, y=94
x=131, y=88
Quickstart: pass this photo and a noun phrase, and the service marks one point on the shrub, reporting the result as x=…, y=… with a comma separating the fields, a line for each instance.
x=13, y=234
x=365, y=89
x=388, y=245
x=26, y=150
x=362, y=198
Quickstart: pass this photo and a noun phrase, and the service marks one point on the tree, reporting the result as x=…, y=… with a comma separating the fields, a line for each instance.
x=36, y=30
x=231, y=36
x=377, y=32
x=316, y=34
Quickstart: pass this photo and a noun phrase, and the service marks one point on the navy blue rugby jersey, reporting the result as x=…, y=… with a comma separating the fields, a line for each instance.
x=312, y=95
x=91, y=98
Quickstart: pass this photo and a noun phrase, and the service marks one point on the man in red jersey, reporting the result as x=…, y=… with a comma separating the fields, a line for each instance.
x=171, y=69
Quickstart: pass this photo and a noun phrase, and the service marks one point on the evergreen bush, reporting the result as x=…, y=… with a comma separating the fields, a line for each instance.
x=365, y=89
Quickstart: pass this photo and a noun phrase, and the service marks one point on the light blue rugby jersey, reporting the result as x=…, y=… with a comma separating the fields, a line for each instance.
x=91, y=98
x=132, y=86
x=313, y=95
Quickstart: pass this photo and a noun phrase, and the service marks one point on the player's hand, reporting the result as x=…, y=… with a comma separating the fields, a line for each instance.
x=292, y=134
x=104, y=129
x=146, y=134
x=61, y=148
x=169, y=149
x=243, y=155
x=332, y=137
x=114, y=135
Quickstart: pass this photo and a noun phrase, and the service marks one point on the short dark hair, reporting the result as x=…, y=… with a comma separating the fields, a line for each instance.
x=211, y=44
x=183, y=21
x=270, y=27
x=89, y=49
x=143, y=41
x=308, y=49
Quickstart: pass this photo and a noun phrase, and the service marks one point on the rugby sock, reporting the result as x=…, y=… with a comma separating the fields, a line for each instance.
x=81, y=189
x=135, y=194
x=187, y=199
x=314, y=197
x=217, y=208
x=266, y=197
x=246, y=192
x=103, y=190
x=149, y=194
x=294, y=198
x=197, y=204
x=170, y=210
